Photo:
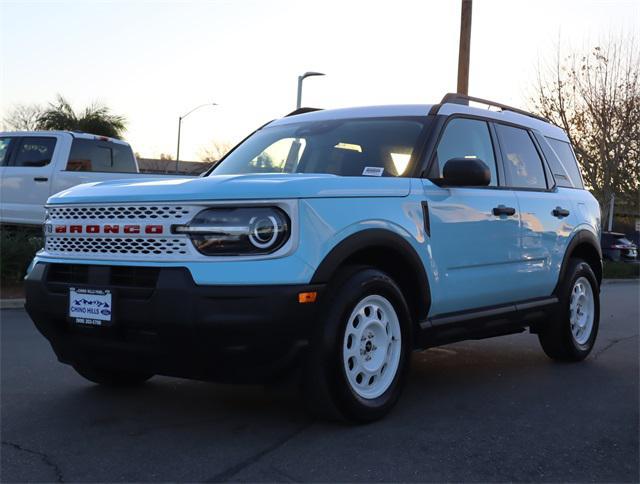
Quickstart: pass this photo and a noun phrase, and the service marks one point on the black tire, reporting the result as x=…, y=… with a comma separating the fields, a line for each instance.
x=328, y=393
x=557, y=338
x=110, y=377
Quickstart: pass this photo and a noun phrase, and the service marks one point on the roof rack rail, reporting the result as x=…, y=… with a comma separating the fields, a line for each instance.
x=302, y=111
x=456, y=98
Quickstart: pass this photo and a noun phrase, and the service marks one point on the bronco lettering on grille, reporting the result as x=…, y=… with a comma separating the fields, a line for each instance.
x=108, y=229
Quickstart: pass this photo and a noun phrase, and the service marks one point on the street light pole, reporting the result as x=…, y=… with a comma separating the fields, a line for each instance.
x=300, y=79
x=178, y=148
x=180, y=126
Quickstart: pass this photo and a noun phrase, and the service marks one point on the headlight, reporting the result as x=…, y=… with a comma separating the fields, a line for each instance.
x=237, y=231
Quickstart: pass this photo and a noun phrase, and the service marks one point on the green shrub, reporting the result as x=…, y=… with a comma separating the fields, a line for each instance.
x=17, y=248
x=621, y=270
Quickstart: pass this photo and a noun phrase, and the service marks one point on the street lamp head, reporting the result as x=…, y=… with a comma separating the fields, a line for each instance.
x=302, y=78
x=198, y=107
x=311, y=73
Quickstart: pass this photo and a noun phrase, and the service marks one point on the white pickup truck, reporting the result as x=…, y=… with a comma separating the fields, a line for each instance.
x=36, y=164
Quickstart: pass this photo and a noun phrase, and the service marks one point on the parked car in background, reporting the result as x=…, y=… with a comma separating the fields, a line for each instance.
x=36, y=164
x=616, y=247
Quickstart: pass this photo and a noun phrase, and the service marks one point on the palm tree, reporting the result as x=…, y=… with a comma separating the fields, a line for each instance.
x=96, y=119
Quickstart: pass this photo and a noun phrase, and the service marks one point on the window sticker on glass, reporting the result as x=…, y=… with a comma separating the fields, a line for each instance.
x=349, y=146
x=373, y=171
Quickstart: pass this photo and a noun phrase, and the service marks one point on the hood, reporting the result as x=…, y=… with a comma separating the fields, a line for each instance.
x=233, y=187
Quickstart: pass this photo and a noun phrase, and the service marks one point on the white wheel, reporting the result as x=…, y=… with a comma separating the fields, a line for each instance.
x=571, y=332
x=582, y=310
x=372, y=347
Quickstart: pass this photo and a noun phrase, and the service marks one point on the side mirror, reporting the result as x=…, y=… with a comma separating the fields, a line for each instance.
x=466, y=172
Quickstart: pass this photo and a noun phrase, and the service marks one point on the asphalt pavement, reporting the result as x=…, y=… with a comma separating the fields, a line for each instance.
x=493, y=410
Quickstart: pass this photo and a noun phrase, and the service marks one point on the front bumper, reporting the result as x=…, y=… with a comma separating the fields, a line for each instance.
x=163, y=323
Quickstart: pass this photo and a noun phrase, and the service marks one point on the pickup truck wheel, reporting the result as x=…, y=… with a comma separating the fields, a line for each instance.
x=360, y=351
x=572, y=333
x=112, y=378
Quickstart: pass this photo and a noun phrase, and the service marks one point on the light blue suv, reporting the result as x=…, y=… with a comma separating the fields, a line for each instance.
x=332, y=242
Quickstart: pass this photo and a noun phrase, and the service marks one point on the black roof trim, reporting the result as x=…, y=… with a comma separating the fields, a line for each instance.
x=302, y=111
x=456, y=98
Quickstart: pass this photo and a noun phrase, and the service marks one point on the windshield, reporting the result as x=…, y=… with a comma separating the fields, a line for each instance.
x=346, y=147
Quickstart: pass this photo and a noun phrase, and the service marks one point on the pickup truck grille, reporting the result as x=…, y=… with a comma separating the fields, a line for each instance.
x=119, y=232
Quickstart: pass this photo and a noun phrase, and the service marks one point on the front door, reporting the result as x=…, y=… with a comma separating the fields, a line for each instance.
x=474, y=232
x=26, y=179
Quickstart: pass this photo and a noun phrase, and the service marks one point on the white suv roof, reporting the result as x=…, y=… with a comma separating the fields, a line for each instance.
x=446, y=108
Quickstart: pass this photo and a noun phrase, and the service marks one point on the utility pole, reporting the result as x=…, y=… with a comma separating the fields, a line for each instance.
x=465, y=47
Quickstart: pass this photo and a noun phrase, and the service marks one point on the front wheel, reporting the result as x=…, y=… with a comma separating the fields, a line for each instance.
x=360, y=351
x=571, y=335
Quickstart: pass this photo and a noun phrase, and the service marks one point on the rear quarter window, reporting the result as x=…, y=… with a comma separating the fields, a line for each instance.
x=566, y=156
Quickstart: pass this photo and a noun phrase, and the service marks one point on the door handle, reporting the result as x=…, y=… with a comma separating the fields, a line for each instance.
x=502, y=210
x=41, y=179
x=560, y=212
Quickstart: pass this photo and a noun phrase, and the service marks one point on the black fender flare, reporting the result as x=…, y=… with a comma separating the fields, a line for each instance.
x=371, y=239
x=581, y=237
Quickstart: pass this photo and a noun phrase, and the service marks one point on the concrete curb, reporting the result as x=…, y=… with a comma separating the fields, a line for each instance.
x=11, y=303
x=620, y=281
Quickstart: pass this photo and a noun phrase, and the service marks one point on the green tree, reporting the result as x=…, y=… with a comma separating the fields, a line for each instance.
x=95, y=119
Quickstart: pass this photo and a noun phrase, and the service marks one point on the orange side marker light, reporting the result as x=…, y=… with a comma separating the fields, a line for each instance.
x=307, y=297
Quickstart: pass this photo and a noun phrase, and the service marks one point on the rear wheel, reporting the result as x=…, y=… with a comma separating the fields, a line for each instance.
x=110, y=377
x=361, y=348
x=572, y=334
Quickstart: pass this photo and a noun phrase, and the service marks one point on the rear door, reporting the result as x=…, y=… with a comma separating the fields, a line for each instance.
x=92, y=160
x=474, y=230
x=26, y=178
x=547, y=211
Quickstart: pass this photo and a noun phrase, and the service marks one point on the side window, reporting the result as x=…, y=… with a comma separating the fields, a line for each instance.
x=123, y=160
x=5, y=143
x=467, y=138
x=34, y=152
x=568, y=159
x=90, y=155
x=523, y=165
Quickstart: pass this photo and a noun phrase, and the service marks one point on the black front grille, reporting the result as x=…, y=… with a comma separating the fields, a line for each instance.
x=68, y=273
x=120, y=276
x=146, y=277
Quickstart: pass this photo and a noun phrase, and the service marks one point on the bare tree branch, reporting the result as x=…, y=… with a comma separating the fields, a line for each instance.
x=595, y=98
x=23, y=117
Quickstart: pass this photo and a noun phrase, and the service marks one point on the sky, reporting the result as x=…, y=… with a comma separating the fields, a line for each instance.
x=153, y=61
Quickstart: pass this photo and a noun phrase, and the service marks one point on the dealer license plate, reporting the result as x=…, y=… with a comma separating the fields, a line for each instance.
x=92, y=307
